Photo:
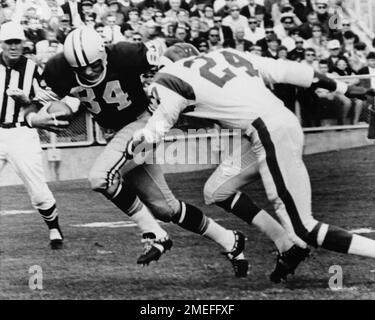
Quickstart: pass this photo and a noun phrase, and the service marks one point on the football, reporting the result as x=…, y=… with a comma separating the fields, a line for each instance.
x=61, y=107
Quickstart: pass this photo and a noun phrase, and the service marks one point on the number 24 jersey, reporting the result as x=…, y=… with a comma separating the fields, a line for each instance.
x=225, y=85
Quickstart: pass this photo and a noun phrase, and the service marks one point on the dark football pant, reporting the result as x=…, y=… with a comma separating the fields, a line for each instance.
x=113, y=174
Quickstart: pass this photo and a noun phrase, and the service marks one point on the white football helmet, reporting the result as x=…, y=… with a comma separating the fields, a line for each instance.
x=83, y=47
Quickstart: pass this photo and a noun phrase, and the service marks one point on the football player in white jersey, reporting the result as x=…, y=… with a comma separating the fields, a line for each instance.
x=230, y=87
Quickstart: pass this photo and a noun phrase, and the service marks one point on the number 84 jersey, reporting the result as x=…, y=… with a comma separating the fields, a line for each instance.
x=225, y=85
x=117, y=100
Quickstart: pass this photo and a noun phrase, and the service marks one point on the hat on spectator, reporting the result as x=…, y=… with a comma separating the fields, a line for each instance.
x=87, y=3
x=371, y=55
x=286, y=8
x=273, y=37
x=112, y=2
x=12, y=30
x=322, y=2
x=334, y=44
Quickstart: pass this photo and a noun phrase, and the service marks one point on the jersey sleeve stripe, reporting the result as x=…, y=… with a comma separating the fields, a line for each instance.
x=176, y=84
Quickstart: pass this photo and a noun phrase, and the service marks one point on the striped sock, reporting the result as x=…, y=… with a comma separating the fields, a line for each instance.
x=50, y=216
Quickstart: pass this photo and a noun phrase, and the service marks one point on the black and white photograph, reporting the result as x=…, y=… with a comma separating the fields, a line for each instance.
x=187, y=156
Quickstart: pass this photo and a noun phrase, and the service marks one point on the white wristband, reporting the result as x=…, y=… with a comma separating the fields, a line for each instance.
x=341, y=87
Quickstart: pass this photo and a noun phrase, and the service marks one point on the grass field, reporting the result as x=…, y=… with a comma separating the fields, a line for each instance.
x=100, y=262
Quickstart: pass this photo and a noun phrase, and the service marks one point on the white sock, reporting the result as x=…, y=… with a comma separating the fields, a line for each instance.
x=147, y=223
x=269, y=226
x=54, y=234
x=362, y=246
x=221, y=236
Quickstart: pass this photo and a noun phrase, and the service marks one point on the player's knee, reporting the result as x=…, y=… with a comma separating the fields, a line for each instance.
x=214, y=195
x=43, y=201
x=103, y=184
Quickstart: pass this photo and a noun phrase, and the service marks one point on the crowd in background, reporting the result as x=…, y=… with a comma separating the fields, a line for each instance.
x=313, y=32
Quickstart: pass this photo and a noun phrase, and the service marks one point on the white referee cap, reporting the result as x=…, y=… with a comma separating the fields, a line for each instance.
x=11, y=30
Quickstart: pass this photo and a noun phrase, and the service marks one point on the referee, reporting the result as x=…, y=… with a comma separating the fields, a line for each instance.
x=20, y=144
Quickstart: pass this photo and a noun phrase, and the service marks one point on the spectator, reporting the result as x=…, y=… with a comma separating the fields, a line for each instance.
x=285, y=92
x=64, y=28
x=156, y=5
x=34, y=30
x=268, y=34
x=252, y=9
x=235, y=20
x=175, y=7
x=202, y=45
x=241, y=43
x=87, y=8
x=334, y=48
x=358, y=60
x=225, y=10
x=331, y=105
x=112, y=31
x=127, y=32
x=348, y=43
x=298, y=53
x=200, y=8
x=369, y=69
x=279, y=7
x=323, y=15
x=101, y=9
x=90, y=20
x=302, y=8
x=137, y=37
x=208, y=17
x=214, y=39
x=317, y=42
x=224, y=31
x=134, y=20
x=74, y=9
x=287, y=23
x=253, y=32
x=43, y=47
x=181, y=33
x=273, y=44
x=346, y=26
x=255, y=49
x=307, y=27
x=290, y=41
x=310, y=58
x=118, y=10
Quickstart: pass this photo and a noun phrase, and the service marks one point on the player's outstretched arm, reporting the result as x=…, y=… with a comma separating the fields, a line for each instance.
x=351, y=91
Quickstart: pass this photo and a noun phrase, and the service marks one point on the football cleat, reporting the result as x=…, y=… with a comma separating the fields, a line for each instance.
x=287, y=262
x=153, y=249
x=240, y=266
x=56, y=239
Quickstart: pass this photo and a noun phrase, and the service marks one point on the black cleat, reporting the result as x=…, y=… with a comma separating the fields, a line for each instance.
x=56, y=244
x=153, y=248
x=287, y=262
x=56, y=239
x=240, y=266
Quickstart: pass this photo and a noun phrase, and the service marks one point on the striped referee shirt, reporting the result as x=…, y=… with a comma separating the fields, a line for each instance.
x=23, y=75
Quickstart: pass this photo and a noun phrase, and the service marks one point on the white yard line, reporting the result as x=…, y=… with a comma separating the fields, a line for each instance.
x=363, y=230
x=15, y=212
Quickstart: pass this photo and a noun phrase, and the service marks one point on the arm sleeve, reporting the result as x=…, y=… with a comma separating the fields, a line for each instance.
x=166, y=115
x=283, y=71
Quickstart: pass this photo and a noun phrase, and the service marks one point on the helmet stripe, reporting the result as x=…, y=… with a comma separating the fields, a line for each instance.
x=74, y=52
x=83, y=51
x=78, y=49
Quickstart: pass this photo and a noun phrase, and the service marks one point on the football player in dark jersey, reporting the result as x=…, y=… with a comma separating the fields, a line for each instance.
x=107, y=81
